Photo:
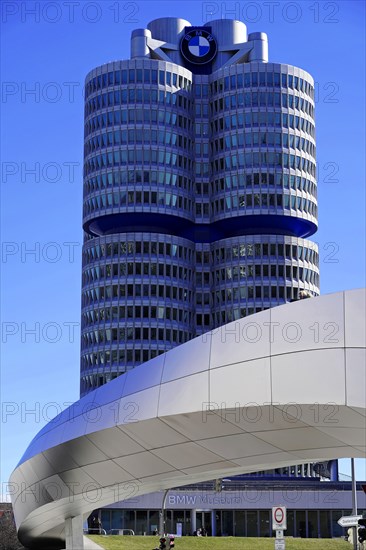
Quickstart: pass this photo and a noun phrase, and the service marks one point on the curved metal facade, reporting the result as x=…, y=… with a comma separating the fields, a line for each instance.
x=199, y=194
x=244, y=398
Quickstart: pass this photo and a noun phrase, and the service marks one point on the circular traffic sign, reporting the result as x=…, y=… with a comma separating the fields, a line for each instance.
x=279, y=515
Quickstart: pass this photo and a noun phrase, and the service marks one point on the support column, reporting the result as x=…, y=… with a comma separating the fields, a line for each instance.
x=193, y=520
x=162, y=527
x=213, y=523
x=354, y=502
x=74, y=533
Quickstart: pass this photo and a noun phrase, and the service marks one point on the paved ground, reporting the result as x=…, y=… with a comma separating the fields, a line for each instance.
x=91, y=545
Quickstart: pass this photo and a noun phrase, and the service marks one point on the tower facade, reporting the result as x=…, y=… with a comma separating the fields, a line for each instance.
x=199, y=191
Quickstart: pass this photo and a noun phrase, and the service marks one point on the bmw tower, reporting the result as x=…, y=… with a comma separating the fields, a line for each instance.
x=199, y=191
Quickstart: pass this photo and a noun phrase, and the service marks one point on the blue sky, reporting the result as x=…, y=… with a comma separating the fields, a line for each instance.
x=47, y=49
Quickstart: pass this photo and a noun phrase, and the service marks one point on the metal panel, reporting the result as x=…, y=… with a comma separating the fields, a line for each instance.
x=187, y=445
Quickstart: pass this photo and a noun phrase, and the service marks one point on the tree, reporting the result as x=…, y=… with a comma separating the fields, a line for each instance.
x=8, y=533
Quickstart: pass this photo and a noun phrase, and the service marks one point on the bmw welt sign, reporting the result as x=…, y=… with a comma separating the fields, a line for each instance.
x=279, y=520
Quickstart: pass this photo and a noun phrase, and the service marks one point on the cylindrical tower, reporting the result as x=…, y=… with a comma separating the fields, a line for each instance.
x=227, y=31
x=199, y=191
x=263, y=149
x=137, y=298
x=263, y=187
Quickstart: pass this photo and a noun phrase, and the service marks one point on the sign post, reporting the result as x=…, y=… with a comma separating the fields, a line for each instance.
x=279, y=524
x=349, y=521
x=354, y=502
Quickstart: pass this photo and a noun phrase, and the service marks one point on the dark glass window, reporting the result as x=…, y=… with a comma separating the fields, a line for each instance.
x=252, y=524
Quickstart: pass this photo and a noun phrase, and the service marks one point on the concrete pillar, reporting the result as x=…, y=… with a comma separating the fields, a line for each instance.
x=213, y=523
x=74, y=533
x=193, y=520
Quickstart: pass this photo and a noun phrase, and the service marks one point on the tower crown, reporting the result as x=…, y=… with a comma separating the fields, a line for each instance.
x=201, y=49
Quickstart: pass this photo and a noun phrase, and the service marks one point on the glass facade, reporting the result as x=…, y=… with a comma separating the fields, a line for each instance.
x=137, y=300
x=198, y=193
x=229, y=523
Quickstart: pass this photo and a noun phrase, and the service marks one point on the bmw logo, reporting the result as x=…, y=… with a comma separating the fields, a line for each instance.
x=198, y=46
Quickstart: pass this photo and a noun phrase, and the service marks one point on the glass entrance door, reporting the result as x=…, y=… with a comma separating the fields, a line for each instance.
x=203, y=521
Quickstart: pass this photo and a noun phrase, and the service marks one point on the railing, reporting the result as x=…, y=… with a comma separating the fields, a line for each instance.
x=121, y=532
x=95, y=531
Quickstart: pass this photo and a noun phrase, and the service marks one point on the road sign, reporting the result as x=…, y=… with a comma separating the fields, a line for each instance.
x=279, y=520
x=279, y=534
x=280, y=544
x=349, y=521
